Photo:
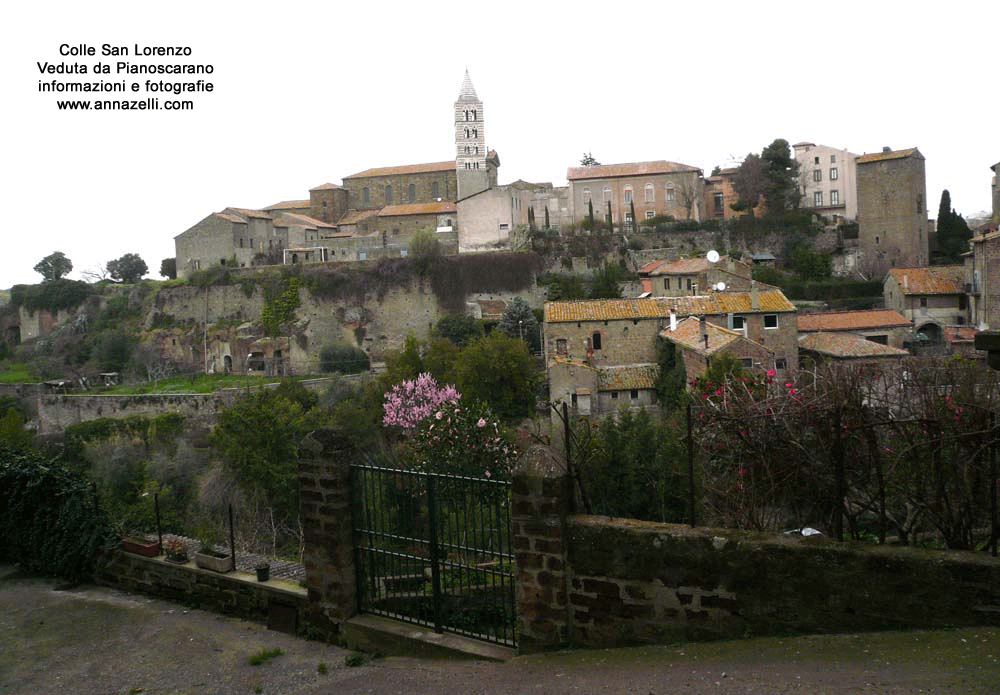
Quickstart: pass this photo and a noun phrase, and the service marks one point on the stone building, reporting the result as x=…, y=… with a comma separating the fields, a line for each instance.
x=883, y=326
x=699, y=341
x=982, y=281
x=606, y=333
x=820, y=347
x=691, y=276
x=652, y=189
x=490, y=217
x=599, y=391
x=374, y=213
x=931, y=297
x=827, y=180
x=892, y=209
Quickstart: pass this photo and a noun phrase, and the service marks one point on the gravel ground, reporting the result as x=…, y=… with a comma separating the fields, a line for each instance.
x=87, y=639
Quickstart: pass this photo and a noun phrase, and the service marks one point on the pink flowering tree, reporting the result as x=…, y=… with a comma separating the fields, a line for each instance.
x=464, y=440
x=411, y=402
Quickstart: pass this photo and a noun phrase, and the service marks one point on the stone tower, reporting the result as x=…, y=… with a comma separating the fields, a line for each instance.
x=470, y=142
x=892, y=208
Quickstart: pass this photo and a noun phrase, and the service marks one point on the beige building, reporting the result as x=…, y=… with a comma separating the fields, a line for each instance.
x=489, y=218
x=828, y=180
x=652, y=189
x=931, y=297
x=892, y=209
x=691, y=276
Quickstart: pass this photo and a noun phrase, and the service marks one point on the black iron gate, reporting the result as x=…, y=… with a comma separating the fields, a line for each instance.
x=435, y=550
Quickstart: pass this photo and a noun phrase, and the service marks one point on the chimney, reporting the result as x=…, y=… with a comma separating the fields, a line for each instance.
x=906, y=282
x=673, y=321
x=704, y=330
x=754, y=296
x=886, y=150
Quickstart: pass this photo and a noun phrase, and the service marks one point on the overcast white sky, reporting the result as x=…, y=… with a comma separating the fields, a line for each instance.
x=310, y=92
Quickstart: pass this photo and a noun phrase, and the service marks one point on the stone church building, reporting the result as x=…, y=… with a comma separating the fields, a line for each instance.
x=373, y=213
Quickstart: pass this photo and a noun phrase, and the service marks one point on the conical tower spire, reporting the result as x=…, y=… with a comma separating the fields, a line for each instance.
x=467, y=92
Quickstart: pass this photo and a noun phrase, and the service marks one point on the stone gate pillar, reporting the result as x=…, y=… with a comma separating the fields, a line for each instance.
x=325, y=512
x=541, y=500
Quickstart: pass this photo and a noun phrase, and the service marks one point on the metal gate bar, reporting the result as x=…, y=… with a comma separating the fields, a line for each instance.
x=435, y=550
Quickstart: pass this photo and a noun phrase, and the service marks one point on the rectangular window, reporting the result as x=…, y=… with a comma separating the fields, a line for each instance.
x=689, y=283
x=746, y=363
x=834, y=197
x=504, y=226
x=671, y=194
x=770, y=321
x=435, y=190
x=817, y=174
x=649, y=195
x=780, y=363
x=628, y=195
x=816, y=160
x=614, y=395
x=833, y=158
x=666, y=283
x=633, y=394
x=923, y=302
x=719, y=201
x=595, y=341
x=650, y=214
x=739, y=323
x=817, y=199
x=834, y=174
x=561, y=346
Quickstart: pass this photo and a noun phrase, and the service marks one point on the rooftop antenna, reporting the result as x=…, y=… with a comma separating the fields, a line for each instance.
x=720, y=287
x=712, y=256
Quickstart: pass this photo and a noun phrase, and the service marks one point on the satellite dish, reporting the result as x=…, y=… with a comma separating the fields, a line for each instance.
x=713, y=256
x=721, y=286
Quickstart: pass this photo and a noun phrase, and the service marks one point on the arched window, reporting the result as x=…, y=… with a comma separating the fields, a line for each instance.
x=650, y=195
x=670, y=193
x=435, y=190
x=467, y=132
x=411, y=193
x=473, y=115
x=388, y=194
x=628, y=194
x=475, y=132
x=606, y=193
x=595, y=340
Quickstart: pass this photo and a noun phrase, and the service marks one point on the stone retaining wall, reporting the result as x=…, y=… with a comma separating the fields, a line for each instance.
x=592, y=581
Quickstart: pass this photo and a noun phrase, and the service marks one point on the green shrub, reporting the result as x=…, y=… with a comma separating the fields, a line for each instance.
x=346, y=359
x=50, y=296
x=50, y=521
x=264, y=655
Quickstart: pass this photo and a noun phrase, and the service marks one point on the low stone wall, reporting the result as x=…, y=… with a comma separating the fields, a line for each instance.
x=643, y=582
x=591, y=581
x=56, y=412
x=233, y=593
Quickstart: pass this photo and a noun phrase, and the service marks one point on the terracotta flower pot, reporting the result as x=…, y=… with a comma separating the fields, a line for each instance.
x=140, y=546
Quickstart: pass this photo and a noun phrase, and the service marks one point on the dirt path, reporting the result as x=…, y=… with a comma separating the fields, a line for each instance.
x=94, y=640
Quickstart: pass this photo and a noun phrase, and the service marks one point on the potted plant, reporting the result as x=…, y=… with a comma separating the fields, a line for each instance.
x=209, y=558
x=140, y=546
x=176, y=551
x=263, y=571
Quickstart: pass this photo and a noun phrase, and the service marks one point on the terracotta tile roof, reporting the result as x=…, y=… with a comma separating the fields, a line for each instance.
x=434, y=208
x=651, y=266
x=851, y=320
x=355, y=216
x=882, y=156
x=610, y=171
x=846, y=346
x=631, y=376
x=405, y=169
x=959, y=334
x=286, y=218
x=770, y=301
x=325, y=187
x=942, y=279
x=288, y=205
x=231, y=218
x=247, y=212
x=685, y=266
x=688, y=334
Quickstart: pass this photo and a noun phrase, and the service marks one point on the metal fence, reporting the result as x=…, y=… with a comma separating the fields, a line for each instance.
x=435, y=550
